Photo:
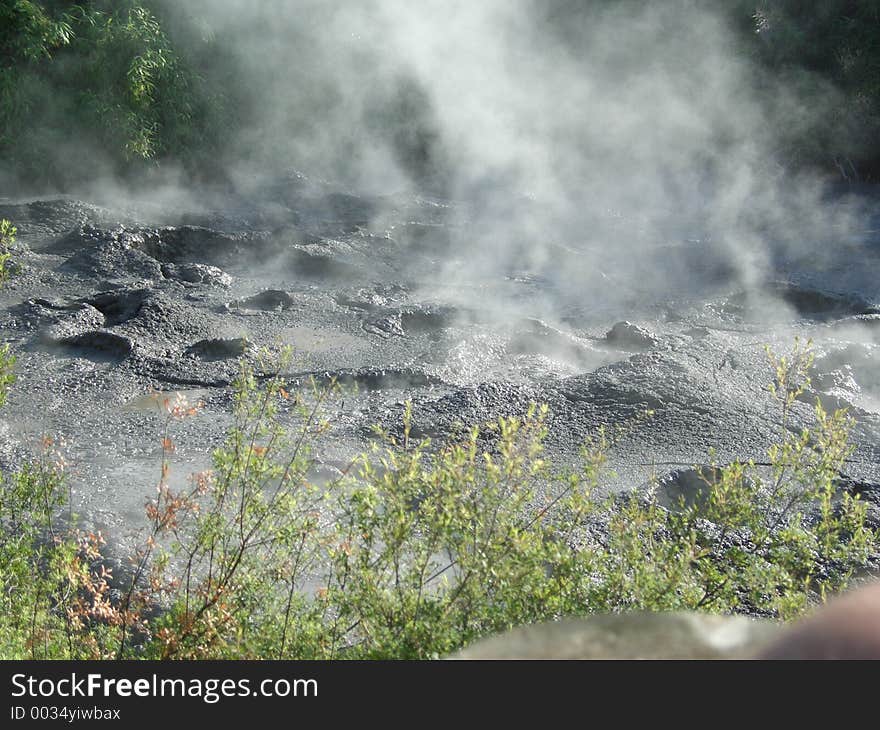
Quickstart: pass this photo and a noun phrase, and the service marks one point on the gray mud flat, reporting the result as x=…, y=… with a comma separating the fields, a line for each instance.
x=115, y=308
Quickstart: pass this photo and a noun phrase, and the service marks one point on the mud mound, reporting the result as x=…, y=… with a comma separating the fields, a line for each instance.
x=151, y=317
x=100, y=254
x=119, y=306
x=92, y=246
x=270, y=300
x=58, y=320
x=614, y=389
x=45, y=220
x=384, y=325
x=416, y=319
x=312, y=265
x=147, y=316
x=197, y=274
x=164, y=319
x=474, y=405
x=378, y=298
x=98, y=345
x=219, y=348
x=428, y=319
x=194, y=244
x=629, y=336
x=347, y=211
x=89, y=236
x=536, y=337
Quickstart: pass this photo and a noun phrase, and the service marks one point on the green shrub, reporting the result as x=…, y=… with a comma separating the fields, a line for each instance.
x=417, y=549
x=28, y=33
x=762, y=540
x=51, y=599
x=7, y=238
x=132, y=84
x=110, y=80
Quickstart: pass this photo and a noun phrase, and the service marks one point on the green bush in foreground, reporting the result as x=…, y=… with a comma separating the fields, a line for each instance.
x=7, y=238
x=417, y=549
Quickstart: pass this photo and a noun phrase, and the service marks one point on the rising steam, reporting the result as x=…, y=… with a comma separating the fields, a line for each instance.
x=615, y=150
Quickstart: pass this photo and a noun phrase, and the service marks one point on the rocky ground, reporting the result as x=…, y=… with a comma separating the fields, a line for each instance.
x=112, y=304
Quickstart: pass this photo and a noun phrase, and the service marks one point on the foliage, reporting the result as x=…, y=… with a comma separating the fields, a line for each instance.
x=86, y=83
x=244, y=537
x=28, y=33
x=763, y=542
x=138, y=83
x=824, y=58
x=7, y=239
x=415, y=549
x=54, y=593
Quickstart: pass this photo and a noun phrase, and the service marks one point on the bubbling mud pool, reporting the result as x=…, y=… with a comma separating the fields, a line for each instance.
x=114, y=310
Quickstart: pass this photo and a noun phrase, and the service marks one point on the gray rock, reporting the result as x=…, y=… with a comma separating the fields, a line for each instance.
x=389, y=325
x=197, y=274
x=631, y=636
x=629, y=336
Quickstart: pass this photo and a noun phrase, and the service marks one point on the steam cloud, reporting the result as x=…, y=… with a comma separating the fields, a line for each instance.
x=587, y=142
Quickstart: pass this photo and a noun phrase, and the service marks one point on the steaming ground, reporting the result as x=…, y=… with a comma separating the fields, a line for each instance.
x=112, y=304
